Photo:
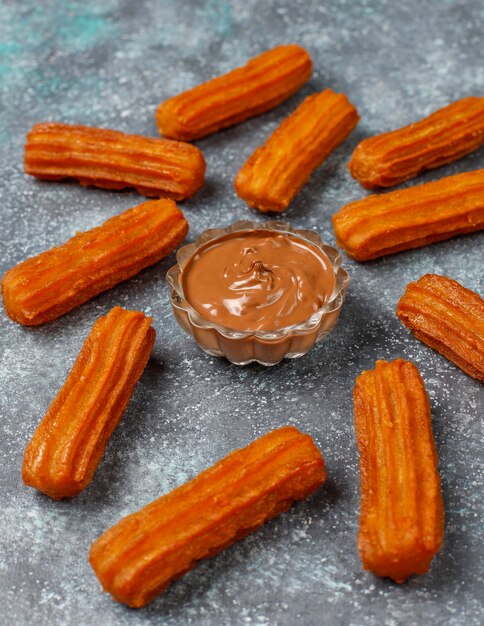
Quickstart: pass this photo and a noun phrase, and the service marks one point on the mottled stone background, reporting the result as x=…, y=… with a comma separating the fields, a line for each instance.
x=110, y=63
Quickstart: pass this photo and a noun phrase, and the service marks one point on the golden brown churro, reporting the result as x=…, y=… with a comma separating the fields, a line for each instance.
x=64, y=452
x=447, y=317
x=137, y=558
x=266, y=81
x=446, y=135
x=277, y=170
x=410, y=218
x=114, y=160
x=52, y=283
x=401, y=514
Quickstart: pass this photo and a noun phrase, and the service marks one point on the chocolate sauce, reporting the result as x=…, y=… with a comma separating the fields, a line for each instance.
x=258, y=280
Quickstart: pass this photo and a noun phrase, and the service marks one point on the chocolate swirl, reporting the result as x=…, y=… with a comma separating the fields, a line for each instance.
x=258, y=280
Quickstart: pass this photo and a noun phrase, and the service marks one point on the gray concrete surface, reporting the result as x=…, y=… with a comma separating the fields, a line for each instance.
x=109, y=64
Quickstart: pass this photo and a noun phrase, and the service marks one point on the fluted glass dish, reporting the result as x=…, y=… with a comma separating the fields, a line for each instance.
x=267, y=347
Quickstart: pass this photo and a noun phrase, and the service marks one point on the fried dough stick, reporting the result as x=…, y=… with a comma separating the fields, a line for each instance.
x=447, y=317
x=54, y=282
x=138, y=558
x=114, y=160
x=267, y=80
x=277, y=170
x=64, y=452
x=401, y=513
x=446, y=135
x=410, y=218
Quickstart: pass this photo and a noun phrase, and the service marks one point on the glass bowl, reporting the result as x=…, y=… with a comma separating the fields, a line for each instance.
x=261, y=346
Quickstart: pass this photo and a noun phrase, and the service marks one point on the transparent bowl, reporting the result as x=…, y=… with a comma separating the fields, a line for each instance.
x=261, y=346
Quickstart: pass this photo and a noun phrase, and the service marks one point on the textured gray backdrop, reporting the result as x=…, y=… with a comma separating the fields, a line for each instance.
x=109, y=64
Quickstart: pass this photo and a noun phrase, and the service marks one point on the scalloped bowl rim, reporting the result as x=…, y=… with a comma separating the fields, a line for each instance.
x=178, y=300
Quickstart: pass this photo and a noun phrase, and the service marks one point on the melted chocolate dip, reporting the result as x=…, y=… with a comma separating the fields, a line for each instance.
x=258, y=280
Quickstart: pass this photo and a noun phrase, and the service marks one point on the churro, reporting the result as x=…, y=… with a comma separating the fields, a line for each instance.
x=137, y=558
x=446, y=135
x=114, y=160
x=277, y=170
x=64, y=452
x=410, y=218
x=447, y=317
x=401, y=512
x=52, y=283
x=267, y=80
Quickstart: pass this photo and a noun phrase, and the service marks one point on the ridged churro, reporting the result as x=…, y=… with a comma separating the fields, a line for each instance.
x=446, y=135
x=410, y=218
x=67, y=446
x=401, y=513
x=52, y=283
x=114, y=160
x=447, y=317
x=137, y=558
x=277, y=170
x=267, y=80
